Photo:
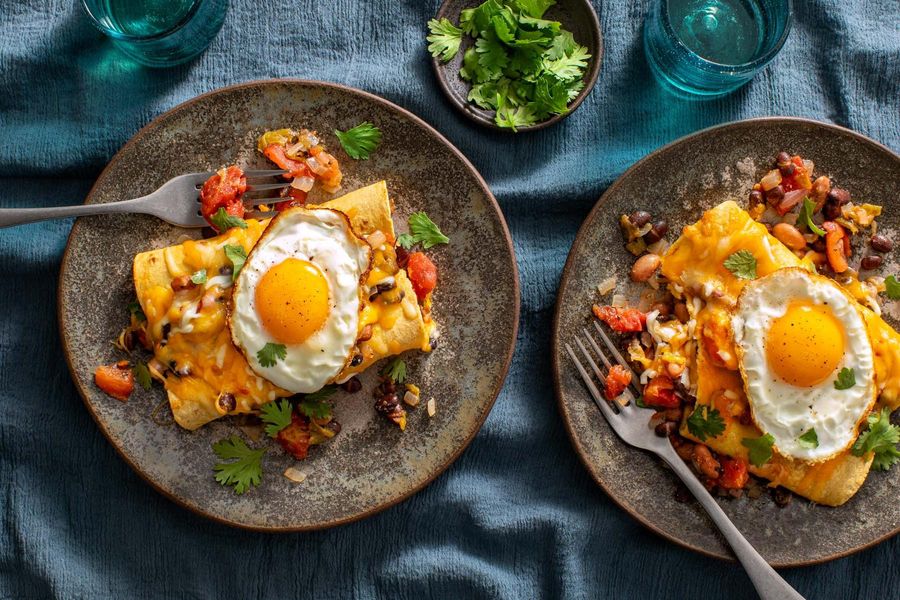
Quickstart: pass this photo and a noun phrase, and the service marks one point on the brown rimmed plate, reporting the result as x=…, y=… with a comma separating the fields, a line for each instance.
x=577, y=16
x=371, y=464
x=679, y=182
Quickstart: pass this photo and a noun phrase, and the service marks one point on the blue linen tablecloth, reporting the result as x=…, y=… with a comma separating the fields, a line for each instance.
x=517, y=515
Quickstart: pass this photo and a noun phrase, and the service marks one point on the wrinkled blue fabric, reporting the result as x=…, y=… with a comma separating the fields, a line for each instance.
x=517, y=516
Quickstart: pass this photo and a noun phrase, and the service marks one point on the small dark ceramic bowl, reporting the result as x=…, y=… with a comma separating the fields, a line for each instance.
x=577, y=16
x=678, y=182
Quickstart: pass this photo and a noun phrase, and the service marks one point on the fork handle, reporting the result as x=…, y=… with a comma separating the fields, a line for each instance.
x=769, y=584
x=19, y=216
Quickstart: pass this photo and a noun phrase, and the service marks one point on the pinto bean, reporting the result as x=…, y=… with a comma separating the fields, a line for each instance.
x=704, y=462
x=789, y=235
x=881, y=243
x=682, y=313
x=645, y=267
x=182, y=282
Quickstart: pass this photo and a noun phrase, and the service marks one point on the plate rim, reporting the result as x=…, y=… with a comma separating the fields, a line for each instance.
x=498, y=387
x=555, y=327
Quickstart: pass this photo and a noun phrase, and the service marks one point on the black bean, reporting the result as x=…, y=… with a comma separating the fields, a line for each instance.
x=783, y=158
x=756, y=198
x=226, y=270
x=838, y=196
x=356, y=360
x=660, y=228
x=788, y=169
x=227, y=402
x=666, y=428
x=831, y=210
x=881, y=244
x=639, y=218
x=352, y=385
x=819, y=245
x=433, y=342
x=775, y=194
x=871, y=262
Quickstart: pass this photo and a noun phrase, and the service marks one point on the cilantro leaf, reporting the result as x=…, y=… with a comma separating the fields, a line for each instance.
x=805, y=217
x=742, y=264
x=238, y=256
x=515, y=118
x=395, y=371
x=892, y=287
x=242, y=473
x=552, y=95
x=810, y=439
x=142, y=374
x=846, y=379
x=534, y=8
x=563, y=44
x=135, y=310
x=406, y=240
x=492, y=56
x=199, y=277
x=222, y=221
x=760, y=449
x=360, y=141
x=271, y=354
x=881, y=438
x=315, y=405
x=705, y=422
x=444, y=39
x=570, y=66
x=639, y=402
x=426, y=231
x=276, y=415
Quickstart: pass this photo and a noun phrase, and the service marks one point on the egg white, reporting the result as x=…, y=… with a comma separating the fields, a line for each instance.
x=787, y=411
x=322, y=237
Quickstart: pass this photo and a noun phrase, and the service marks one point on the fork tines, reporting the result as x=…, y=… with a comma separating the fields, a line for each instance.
x=585, y=341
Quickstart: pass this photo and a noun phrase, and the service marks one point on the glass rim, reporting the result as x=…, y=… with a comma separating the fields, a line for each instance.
x=118, y=35
x=753, y=64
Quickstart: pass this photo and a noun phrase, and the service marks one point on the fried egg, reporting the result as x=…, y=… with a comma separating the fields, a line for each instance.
x=795, y=331
x=301, y=288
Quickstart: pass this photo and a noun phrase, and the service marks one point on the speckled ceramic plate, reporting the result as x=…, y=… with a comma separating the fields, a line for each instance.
x=371, y=464
x=678, y=182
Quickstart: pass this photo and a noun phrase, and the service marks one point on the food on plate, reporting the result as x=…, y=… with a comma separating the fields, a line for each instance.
x=270, y=317
x=759, y=338
x=521, y=66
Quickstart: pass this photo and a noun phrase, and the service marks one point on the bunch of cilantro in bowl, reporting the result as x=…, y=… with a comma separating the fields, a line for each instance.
x=524, y=68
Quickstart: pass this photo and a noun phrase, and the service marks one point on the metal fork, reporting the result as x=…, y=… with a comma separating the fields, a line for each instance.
x=632, y=425
x=176, y=202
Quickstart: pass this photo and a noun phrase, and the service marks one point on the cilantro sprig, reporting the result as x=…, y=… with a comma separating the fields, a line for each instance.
x=846, y=379
x=135, y=310
x=238, y=256
x=199, y=277
x=360, y=141
x=742, y=264
x=892, y=287
x=276, y=415
x=315, y=405
x=223, y=221
x=245, y=468
x=142, y=375
x=881, y=438
x=422, y=230
x=760, y=449
x=705, y=422
x=809, y=440
x=395, y=371
x=270, y=354
x=521, y=66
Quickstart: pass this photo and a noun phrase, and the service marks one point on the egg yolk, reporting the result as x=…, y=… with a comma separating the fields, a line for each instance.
x=805, y=345
x=292, y=300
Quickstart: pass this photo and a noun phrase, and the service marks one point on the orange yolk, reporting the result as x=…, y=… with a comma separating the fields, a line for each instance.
x=292, y=300
x=805, y=345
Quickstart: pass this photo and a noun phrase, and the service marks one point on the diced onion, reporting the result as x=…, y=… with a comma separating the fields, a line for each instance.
x=606, y=286
x=304, y=183
x=618, y=300
x=431, y=406
x=409, y=310
x=377, y=239
x=411, y=399
x=295, y=475
x=770, y=180
x=659, y=247
x=315, y=166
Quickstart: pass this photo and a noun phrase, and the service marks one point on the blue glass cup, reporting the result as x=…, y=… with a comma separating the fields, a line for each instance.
x=158, y=33
x=709, y=48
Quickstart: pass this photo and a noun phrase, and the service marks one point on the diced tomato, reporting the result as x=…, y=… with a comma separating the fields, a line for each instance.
x=422, y=274
x=295, y=437
x=836, y=246
x=297, y=198
x=296, y=168
x=621, y=319
x=616, y=381
x=223, y=190
x=734, y=473
x=800, y=178
x=117, y=380
x=660, y=392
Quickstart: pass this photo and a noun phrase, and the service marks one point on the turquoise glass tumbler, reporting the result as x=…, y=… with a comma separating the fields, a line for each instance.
x=158, y=33
x=709, y=48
